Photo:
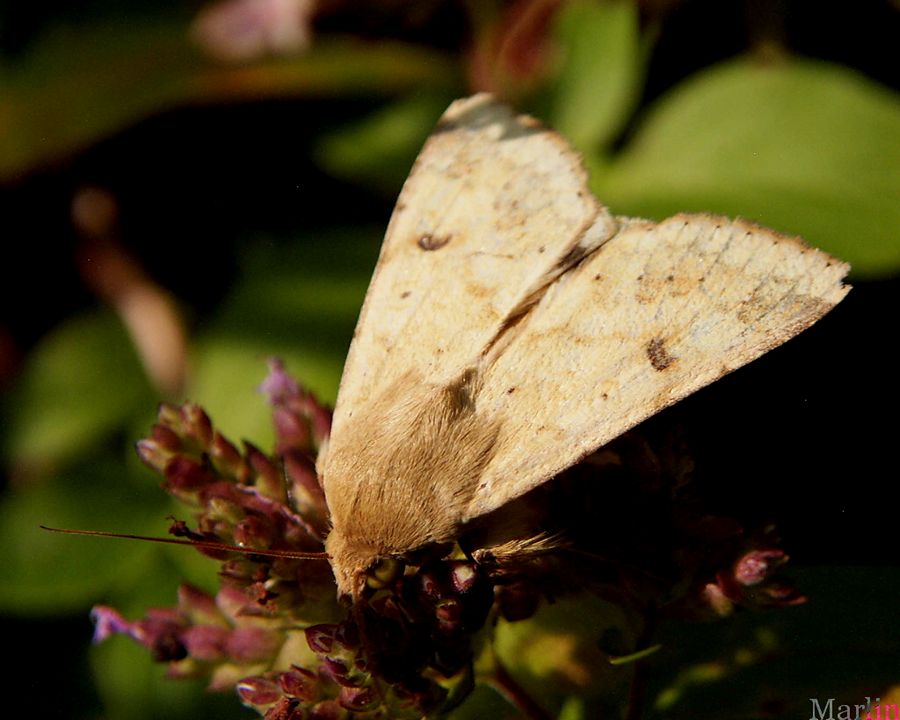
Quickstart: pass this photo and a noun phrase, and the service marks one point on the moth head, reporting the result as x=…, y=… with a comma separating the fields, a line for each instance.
x=356, y=565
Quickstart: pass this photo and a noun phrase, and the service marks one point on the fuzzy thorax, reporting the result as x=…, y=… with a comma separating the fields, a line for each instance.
x=401, y=473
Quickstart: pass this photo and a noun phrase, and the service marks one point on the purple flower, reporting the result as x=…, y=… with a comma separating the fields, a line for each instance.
x=275, y=632
x=279, y=387
x=160, y=631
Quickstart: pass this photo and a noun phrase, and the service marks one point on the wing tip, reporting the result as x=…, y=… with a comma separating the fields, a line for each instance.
x=831, y=267
x=484, y=109
x=474, y=111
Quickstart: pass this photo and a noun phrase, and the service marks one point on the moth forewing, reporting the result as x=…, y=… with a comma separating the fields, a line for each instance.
x=495, y=205
x=655, y=314
x=513, y=326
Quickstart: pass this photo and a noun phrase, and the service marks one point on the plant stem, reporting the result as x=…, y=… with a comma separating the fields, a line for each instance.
x=515, y=694
x=638, y=686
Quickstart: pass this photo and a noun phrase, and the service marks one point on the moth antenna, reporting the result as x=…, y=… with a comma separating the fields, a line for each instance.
x=203, y=544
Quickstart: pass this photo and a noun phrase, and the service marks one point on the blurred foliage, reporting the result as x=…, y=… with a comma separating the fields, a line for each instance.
x=806, y=147
x=79, y=84
x=810, y=147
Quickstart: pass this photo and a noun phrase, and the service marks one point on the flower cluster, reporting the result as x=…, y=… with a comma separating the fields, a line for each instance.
x=277, y=634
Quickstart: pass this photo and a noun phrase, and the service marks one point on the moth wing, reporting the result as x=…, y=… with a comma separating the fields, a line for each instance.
x=495, y=208
x=653, y=315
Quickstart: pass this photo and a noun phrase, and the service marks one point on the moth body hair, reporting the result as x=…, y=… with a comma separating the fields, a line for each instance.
x=409, y=475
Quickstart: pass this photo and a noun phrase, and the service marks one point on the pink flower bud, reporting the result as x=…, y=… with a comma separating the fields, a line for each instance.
x=153, y=455
x=320, y=638
x=463, y=576
x=266, y=476
x=357, y=699
x=328, y=710
x=254, y=532
x=198, y=606
x=258, y=691
x=184, y=474
x=247, y=645
x=107, y=622
x=206, y=642
x=226, y=459
x=279, y=386
x=285, y=709
x=292, y=431
x=756, y=565
x=299, y=683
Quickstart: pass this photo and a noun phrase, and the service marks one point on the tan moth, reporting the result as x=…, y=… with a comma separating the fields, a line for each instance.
x=513, y=326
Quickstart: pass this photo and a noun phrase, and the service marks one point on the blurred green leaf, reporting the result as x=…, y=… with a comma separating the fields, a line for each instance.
x=599, y=82
x=228, y=373
x=804, y=147
x=556, y=655
x=484, y=702
x=380, y=150
x=770, y=664
x=47, y=573
x=299, y=303
x=132, y=686
x=81, y=83
x=79, y=385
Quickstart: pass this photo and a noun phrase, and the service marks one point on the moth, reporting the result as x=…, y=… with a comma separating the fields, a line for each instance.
x=513, y=326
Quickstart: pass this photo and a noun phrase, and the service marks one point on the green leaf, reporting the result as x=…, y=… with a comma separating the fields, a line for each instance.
x=46, y=573
x=299, y=303
x=484, y=702
x=78, y=386
x=771, y=663
x=556, y=654
x=599, y=81
x=805, y=147
x=229, y=371
x=380, y=149
x=83, y=82
x=133, y=687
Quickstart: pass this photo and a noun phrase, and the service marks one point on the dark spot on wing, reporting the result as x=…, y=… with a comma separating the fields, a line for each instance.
x=510, y=391
x=405, y=294
x=659, y=357
x=433, y=242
